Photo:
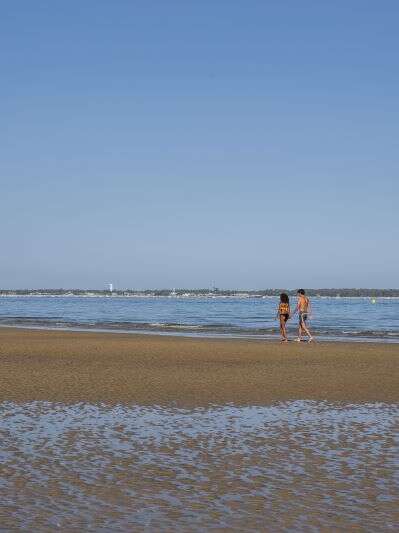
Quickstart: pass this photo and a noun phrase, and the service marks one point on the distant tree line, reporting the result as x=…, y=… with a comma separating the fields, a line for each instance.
x=203, y=292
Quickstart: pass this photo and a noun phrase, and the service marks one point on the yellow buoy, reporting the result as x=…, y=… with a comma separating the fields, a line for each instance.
x=373, y=300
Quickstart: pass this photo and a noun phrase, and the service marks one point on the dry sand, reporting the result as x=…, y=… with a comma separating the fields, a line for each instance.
x=105, y=367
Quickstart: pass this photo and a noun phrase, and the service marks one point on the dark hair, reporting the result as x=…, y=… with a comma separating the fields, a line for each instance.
x=284, y=298
x=300, y=291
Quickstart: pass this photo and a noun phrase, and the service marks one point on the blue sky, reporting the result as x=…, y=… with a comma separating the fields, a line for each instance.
x=163, y=143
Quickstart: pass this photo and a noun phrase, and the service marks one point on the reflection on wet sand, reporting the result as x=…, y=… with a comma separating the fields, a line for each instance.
x=293, y=465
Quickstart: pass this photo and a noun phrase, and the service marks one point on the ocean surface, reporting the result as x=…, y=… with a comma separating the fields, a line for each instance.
x=294, y=466
x=333, y=318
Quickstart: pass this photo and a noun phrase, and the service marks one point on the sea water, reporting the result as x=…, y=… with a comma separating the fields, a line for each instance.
x=332, y=318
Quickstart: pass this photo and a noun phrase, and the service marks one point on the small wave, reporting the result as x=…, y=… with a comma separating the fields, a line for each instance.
x=173, y=325
x=215, y=329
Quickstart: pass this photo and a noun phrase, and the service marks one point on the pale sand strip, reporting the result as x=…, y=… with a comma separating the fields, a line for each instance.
x=143, y=369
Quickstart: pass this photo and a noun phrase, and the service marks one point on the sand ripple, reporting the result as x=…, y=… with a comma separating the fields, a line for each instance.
x=292, y=466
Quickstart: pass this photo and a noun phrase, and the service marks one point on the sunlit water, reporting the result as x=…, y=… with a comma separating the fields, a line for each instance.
x=296, y=466
x=333, y=318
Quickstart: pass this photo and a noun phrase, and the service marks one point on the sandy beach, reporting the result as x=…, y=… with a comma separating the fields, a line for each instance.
x=159, y=370
x=119, y=432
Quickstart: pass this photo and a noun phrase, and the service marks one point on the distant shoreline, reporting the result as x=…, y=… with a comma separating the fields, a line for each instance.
x=233, y=293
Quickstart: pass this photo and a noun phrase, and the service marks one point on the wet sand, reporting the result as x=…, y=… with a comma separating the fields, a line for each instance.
x=61, y=366
x=293, y=466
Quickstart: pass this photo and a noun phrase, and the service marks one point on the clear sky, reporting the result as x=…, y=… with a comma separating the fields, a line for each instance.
x=179, y=143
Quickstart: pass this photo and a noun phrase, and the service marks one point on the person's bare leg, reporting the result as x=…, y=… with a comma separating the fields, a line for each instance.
x=306, y=330
x=299, y=332
x=283, y=330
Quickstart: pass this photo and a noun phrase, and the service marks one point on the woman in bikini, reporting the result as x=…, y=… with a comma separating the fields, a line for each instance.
x=283, y=314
